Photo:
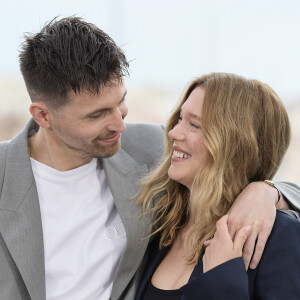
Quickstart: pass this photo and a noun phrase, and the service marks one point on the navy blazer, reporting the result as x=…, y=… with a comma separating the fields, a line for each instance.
x=276, y=277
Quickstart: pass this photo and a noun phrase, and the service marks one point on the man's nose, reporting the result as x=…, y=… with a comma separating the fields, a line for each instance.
x=117, y=120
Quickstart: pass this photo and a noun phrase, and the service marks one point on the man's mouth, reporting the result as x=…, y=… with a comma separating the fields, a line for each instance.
x=112, y=139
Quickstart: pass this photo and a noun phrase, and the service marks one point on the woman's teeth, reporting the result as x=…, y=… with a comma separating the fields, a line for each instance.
x=180, y=154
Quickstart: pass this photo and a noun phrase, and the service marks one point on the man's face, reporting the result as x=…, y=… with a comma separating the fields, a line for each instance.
x=91, y=125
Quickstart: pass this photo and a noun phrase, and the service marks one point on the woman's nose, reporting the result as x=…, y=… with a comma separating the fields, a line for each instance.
x=177, y=133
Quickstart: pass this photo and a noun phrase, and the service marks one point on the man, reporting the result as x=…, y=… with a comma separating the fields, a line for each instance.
x=69, y=225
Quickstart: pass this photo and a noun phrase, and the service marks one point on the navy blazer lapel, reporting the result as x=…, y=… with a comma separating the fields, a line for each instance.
x=155, y=258
x=20, y=218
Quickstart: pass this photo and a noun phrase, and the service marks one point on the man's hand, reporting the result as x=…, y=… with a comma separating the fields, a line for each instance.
x=254, y=207
x=221, y=248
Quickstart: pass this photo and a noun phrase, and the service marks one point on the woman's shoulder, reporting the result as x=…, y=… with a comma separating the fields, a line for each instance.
x=284, y=238
x=282, y=250
x=285, y=226
x=278, y=273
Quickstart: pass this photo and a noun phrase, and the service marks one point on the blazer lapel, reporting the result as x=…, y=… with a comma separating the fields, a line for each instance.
x=20, y=218
x=155, y=258
x=123, y=175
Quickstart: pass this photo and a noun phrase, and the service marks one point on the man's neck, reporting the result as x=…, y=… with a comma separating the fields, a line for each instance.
x=46, y=150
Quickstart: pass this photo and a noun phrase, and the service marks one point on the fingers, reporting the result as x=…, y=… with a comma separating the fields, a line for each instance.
x=223, y=220
x=221, y=226
x=233, y=226
x=249, y=248
x=221, y=230
x=241, y=238
x=239, y=242
x=259, y=248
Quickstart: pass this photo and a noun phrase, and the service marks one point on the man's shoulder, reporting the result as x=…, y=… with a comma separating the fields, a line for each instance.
x=3, y=145
x=21, y=136
x=144, y=142
x=3, y=149
x=143, y=135
x=142, y=128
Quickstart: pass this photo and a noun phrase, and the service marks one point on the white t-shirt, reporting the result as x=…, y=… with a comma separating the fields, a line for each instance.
x=84, y=236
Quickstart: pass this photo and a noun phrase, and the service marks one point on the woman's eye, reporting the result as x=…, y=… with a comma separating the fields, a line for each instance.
x=195, y=125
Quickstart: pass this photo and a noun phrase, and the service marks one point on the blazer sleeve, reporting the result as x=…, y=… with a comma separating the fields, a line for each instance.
x=291, y=192
x=225, y=282
x=277, y=276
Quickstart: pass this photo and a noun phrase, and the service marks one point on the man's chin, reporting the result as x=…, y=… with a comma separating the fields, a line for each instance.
x=108, y=151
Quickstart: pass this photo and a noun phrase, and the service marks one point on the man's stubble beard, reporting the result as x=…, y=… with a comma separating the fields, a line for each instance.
x=102, y=151
x=97, y=150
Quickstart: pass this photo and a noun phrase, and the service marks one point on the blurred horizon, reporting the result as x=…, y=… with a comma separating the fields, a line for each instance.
x=168, y=43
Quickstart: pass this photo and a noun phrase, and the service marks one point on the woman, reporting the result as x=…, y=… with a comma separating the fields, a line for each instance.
x=226, y=132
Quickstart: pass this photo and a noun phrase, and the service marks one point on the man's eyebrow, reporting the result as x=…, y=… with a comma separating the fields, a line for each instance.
x=104, y=109
x=97, y=111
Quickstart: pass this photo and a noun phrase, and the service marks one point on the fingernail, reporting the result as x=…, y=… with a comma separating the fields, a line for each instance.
x=252, y=266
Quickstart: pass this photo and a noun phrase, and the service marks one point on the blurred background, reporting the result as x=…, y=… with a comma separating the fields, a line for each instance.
x=169, y=42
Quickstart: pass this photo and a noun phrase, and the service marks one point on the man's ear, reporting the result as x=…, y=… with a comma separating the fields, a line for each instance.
x=40, y=113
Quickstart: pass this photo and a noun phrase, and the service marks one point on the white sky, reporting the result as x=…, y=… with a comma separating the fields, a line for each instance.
x=172, y=41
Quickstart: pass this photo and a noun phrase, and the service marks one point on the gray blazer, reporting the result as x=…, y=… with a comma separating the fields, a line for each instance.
x=22, y=268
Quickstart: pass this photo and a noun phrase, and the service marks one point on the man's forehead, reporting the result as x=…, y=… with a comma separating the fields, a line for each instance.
x=101, y=88
x=105, y=93
x=86, y=102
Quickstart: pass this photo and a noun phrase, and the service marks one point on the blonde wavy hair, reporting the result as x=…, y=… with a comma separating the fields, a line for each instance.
x=246, y=130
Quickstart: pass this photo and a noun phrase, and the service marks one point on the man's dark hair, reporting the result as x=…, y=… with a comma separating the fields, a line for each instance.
x=69, y=54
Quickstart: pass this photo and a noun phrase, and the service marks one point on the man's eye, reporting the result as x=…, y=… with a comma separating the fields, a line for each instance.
x=95, y=116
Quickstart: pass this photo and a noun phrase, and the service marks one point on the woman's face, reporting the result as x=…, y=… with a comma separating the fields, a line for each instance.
x=189, y=151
